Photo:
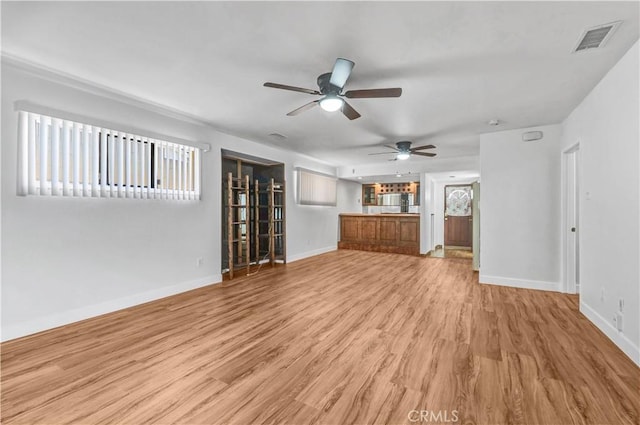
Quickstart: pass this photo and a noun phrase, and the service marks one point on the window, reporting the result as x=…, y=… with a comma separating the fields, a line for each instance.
x=315, y=188
x=66, y=158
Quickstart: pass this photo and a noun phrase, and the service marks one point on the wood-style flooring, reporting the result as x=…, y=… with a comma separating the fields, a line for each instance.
x=347, y=337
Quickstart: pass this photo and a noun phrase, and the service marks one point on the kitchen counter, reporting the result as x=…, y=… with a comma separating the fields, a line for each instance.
x=380, y=215
x=396, y=233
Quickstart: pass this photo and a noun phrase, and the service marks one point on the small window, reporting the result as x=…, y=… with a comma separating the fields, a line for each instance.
x=66, y=158
x=316, y=189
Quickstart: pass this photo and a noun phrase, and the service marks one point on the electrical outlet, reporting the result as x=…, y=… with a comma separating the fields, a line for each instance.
x=619, y=321
x=621, y=304
x=199, y=261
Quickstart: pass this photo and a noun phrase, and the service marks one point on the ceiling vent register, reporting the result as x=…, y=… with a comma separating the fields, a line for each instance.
x=596, y=37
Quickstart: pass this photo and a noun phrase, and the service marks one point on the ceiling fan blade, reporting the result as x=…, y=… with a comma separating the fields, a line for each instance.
x=303, y=108
x=394, y=159
x=341, y=71
x=422, y=147
x=392, y=147
x=292, y=88
x=383, y=153
x=423, y=154
x=354, y=94
x=349, y=112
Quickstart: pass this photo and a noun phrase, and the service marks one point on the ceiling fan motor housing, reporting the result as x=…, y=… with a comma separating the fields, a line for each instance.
x=325, y=86
x=404, y=146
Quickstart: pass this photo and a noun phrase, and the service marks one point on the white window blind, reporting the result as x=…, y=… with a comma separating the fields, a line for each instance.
x=316, y=189
x=66, y=158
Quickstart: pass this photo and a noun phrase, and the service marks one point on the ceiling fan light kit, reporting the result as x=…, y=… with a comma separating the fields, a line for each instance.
x=331, y=85
x=331, y=103
x=403, y=155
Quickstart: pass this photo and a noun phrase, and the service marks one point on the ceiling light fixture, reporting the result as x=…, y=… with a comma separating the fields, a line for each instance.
x=359, y=177
x=331, y=103
x=398, y=175
x=403, y=155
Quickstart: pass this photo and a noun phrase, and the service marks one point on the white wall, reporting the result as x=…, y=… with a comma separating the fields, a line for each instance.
x=606, y=124
x=67, y=259
x=520, y=219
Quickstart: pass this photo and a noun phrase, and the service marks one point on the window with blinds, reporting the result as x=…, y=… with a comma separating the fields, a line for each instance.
x=66, y=158
x=316, y=189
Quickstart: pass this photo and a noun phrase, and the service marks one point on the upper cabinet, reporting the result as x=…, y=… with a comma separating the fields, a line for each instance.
x=371, y=192
x=368, y=194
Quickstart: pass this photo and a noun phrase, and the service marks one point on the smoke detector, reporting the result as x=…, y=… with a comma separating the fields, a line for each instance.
x=494, y=122
x=596, y=37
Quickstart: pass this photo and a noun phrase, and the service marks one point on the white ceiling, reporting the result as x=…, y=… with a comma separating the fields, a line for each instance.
x=459, y=64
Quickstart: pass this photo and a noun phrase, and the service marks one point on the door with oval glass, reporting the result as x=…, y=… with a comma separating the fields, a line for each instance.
x=458, y=218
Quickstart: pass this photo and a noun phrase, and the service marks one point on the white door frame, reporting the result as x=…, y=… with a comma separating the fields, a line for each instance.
x=571, y=219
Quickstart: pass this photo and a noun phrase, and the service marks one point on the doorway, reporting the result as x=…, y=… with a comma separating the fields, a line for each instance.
x=571, y=163
x=458, y=216
x=253, y=213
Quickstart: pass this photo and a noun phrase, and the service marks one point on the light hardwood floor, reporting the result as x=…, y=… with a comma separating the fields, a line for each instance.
x=347, y=337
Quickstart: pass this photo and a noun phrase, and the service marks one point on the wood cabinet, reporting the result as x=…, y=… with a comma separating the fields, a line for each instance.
x=370, y=192
x=397, y=233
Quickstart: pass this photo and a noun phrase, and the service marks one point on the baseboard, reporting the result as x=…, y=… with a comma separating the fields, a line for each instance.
x=519, y=283
x=64, y=318
x=296, y=257
x=618, y=338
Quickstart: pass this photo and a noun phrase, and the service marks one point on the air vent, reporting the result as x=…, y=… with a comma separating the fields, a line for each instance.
x=596, y=37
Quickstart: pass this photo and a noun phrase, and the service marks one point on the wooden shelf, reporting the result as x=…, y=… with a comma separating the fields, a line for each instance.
x=273, y=191
x=239, y=236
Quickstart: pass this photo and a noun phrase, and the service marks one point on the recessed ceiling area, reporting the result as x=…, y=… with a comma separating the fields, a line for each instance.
x=460, y=64
x=447, y=177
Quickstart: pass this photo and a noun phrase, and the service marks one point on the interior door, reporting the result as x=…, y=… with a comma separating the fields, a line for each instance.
x=572, y=254
x=458, y=219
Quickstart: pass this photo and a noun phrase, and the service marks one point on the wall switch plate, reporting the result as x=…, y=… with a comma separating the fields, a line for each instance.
x=199, y=261
x=621, y=304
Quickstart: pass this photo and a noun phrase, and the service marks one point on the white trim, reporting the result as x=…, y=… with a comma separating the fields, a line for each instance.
x=301, y=256
x=64, y=318
x=35, y=108
x=519, y=283
x=575, y=147
x=618, y=338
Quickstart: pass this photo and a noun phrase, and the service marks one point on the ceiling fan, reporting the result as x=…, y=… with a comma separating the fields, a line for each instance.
x=331, y=85
x=403, y=150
